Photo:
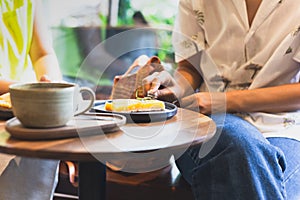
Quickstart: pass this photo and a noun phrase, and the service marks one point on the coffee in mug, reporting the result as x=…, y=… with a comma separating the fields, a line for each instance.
x=48, y=105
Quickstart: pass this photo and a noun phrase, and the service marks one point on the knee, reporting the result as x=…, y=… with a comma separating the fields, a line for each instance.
x=238, y=133
x=235, y=128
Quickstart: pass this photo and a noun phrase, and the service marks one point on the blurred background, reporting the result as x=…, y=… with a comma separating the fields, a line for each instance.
x=96, y=40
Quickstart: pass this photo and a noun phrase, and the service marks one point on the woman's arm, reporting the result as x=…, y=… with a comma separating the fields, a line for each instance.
x=273, y=99
x=42, y=54
x=4, y=84
x=185, y=80
x=187, y=69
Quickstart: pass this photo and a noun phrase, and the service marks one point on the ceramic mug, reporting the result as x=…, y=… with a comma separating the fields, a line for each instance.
x=48, y=105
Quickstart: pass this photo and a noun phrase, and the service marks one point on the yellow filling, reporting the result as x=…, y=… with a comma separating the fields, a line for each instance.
x=5, y=100
x=134, y=105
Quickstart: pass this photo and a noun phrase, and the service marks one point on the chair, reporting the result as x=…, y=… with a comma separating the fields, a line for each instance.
x=166, y=183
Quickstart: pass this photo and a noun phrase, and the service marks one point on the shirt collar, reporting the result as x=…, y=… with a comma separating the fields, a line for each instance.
x=265, y=9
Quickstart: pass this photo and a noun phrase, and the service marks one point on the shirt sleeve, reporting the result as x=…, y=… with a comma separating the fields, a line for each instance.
x=188, y=36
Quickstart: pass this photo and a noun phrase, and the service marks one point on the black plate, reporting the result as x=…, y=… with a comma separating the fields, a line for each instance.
x=141, y=117
x=6, y=113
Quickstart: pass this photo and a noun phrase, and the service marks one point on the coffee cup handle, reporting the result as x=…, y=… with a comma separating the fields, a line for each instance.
x=91, y=94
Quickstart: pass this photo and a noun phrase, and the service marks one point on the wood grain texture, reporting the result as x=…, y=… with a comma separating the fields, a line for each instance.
x=171, y=136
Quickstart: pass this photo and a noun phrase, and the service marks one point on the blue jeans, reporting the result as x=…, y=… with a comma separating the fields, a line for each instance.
x=242, y=164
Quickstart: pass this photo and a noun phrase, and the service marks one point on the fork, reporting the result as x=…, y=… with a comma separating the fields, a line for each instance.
x=150, y=96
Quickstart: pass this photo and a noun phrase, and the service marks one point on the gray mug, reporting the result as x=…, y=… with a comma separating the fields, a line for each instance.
x=48, y=105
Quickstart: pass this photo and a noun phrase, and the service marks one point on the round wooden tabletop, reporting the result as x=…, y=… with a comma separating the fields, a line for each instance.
x=174, y=135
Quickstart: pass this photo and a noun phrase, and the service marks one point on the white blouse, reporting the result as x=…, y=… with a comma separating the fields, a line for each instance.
x=236, y=56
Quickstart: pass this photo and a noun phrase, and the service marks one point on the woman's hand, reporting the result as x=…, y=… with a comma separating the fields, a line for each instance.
x=205, y=102
x=162, y=86
x=45, y=78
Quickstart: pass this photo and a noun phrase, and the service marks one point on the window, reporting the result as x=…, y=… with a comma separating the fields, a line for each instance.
x=79, y=26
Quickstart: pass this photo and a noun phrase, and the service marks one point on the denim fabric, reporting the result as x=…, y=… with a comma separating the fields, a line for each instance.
x=242, y=165
x=291, y=149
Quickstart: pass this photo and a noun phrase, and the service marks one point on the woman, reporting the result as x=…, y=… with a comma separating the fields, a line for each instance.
x=26, y=46
x=243, y=58
x=26, y=54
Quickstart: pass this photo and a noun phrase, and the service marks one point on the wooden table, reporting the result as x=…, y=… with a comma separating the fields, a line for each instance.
x=140, y=141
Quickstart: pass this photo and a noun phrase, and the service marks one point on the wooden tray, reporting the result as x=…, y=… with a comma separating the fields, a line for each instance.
x=79, y=126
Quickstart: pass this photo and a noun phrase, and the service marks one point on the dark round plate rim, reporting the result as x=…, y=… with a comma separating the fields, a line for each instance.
x=168, y=113
x=6, y=113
